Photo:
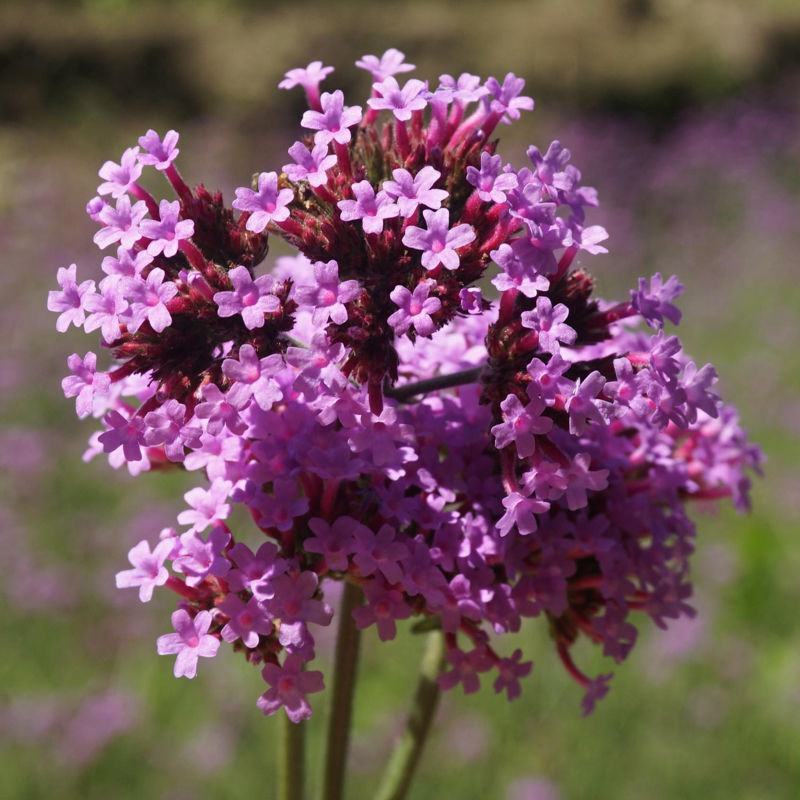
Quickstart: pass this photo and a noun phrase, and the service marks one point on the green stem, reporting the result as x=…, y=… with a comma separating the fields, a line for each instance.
x=340, y=715
x=291, y=755
x=400, y=769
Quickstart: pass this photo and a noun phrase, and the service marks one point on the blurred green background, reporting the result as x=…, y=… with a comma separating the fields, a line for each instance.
x=685, y=116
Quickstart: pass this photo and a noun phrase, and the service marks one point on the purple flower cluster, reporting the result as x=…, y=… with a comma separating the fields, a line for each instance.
x=470, y=462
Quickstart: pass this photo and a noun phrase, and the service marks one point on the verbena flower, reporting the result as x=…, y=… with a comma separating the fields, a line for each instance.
x=469, y=460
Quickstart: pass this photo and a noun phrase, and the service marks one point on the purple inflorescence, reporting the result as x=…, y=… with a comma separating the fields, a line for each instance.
x=469, y=461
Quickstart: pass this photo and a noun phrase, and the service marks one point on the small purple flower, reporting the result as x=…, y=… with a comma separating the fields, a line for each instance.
x=167, y=232
x=697, y=383
x=86, y=385
x=588, y=238
x=119, y=178
x=207, y=506
x=401, y=102
x=125, y=433
x=384, y=605
x=311, y=166
x=439, y=242
x=127, y=264
x=121, y=224
x=148, y=299
x=653, y=300
x=515, y=274
x=148, y=568
x=522, y=425
x=70, y=302
x=333, y=542
x=333, y=123
x=510, y=670
x=253, y=377
x=294, y=600
x=392, y=62
x=309, y=78
x=507, y=98
x=471, y=300
x=548, y=322
x=547, y=378
x=379, y=552
x=581, y=478
x=521, y=511
x=246, y=621
x=372, y=209
x=465, y=89
x=491, y=181
x=222, y=410
x=268, y=204
x=254, y=571
x=289, y=685
x=465, y=668
x=191, y=641
x=250, y=298
x=582, y=407
x=326, y=295
x=106, y=308
x=280, y=509
x=166, y=426
x=410, y=192
x=159, y=153
x=414, y=310
x=596, y=690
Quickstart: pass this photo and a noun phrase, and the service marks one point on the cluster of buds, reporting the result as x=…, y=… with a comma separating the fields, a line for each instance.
x=467, y=461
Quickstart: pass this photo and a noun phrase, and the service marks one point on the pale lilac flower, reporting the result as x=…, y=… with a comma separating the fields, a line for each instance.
x=207, y=506
x=548, y=322
x=333, y=123
x=121, y=224
x=106, y=308
x=119, y=178
x=125, y=433
x=89, y=387
x=280, y=509
x=253, y=377
x=255, y=571
x=246, y=621
x=94, y=207
x=222, y=410
x=414, y=310
x=588, y=238
x=289, y=685
x=191, y=641
x=166, y=426
x=439, y=242
x=295, y=601
x=309, y=78
x=372, y=209
x=268, y=204
x=70, y=302
x=696, y=384
x=401, y=102
x=465, y=89
x=522, y=425
x=148, y=568
x=491, y=181
x=127, y=264
x=507, y=98
x=326, y=295
x=581, y=405
x=392, y=62
x=148, y=300
x=515, y=274
x=311, y=166
x=250, y=298
x=159, y=153
x=409, y=192
x=168, y=231
x=653, y=299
